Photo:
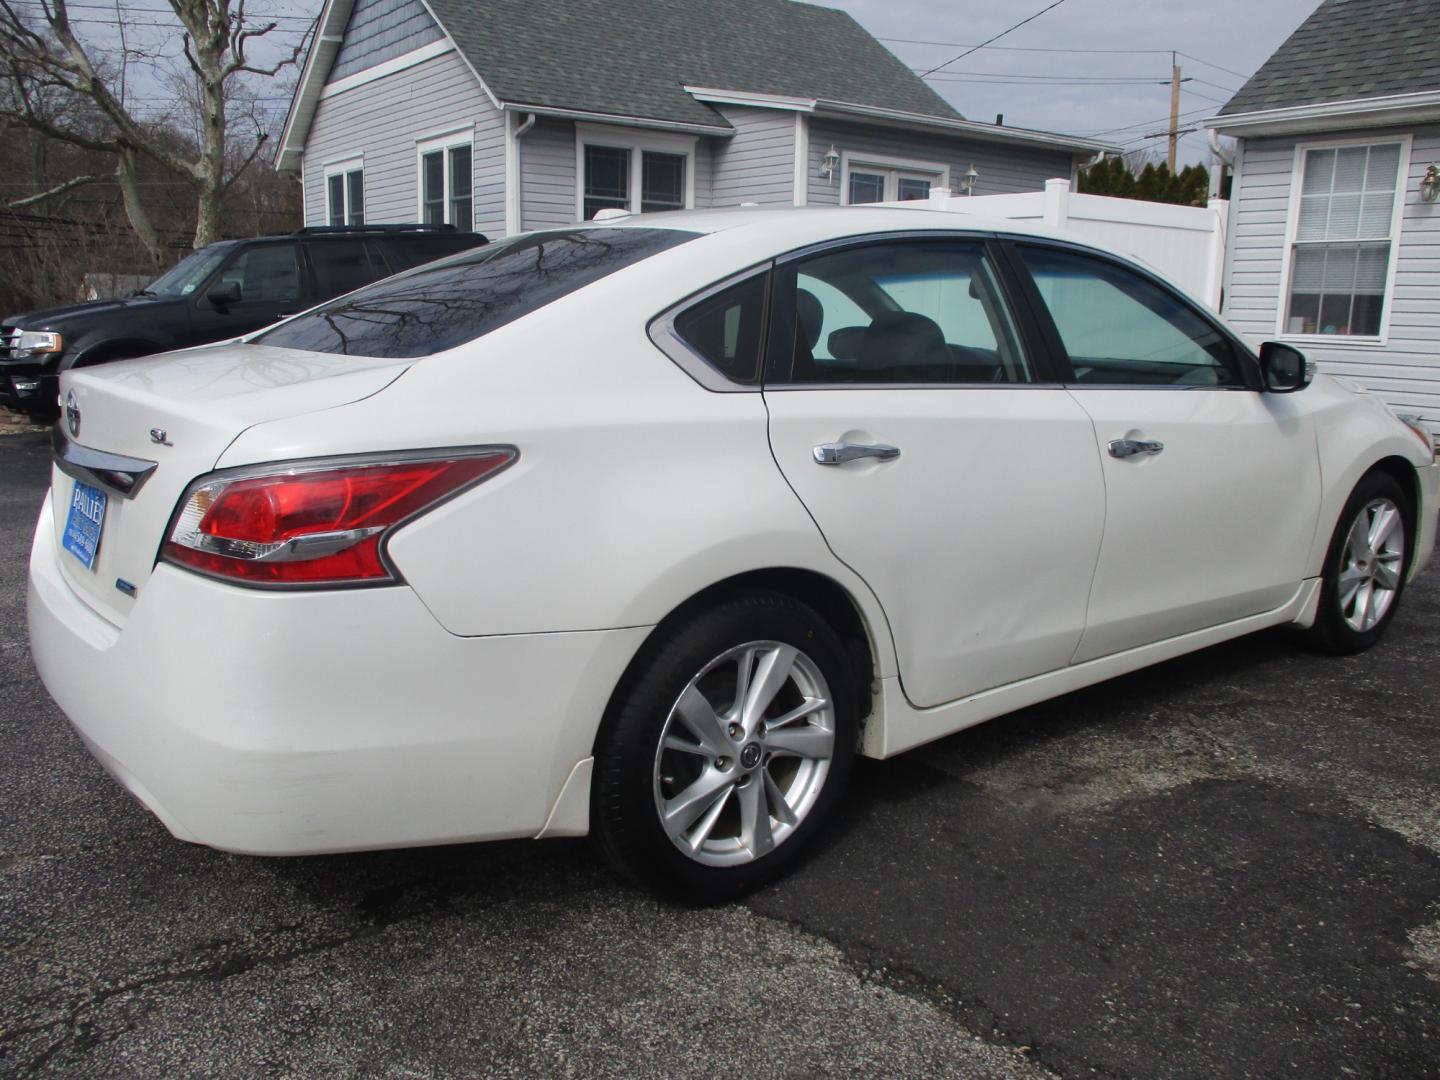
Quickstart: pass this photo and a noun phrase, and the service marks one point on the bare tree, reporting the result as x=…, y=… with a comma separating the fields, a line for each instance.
x=45, y=55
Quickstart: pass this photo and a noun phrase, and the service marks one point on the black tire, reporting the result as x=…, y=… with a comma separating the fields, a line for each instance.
x=1336, y=630
x=633, y=773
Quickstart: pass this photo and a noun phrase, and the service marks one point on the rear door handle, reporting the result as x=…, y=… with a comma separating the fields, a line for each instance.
x=837, y=453
x=1125, y=448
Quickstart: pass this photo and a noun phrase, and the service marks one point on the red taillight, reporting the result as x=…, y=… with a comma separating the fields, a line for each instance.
x=311, y=525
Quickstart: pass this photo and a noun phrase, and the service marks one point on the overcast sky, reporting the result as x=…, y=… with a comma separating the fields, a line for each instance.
x=1076, y=91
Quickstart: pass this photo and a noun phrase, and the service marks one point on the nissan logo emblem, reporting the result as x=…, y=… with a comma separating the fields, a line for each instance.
x=72, y=415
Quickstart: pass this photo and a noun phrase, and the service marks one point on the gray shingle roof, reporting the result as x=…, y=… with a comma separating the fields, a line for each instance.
x=633, y=57
x=1349, y=49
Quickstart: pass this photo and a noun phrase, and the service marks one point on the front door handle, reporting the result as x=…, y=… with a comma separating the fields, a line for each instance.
x=1125, y=448
x=837, y=453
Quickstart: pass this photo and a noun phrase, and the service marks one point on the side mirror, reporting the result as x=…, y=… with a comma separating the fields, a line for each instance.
x=223, y=295
x=1285, y=368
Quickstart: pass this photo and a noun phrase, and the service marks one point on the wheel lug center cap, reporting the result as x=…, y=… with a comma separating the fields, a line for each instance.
x=750, y=755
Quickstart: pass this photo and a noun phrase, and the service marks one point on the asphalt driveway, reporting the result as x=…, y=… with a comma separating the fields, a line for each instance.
x=1228, y=865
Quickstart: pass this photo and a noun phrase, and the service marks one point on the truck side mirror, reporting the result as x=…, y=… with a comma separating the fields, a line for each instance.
x=223, y=295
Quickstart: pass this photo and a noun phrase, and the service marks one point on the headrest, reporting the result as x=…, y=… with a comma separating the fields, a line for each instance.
x=809, y=317
x=902, y=339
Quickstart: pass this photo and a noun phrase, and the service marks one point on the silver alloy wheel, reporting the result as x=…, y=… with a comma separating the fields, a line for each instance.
x=1370, y=565
x=744, y=753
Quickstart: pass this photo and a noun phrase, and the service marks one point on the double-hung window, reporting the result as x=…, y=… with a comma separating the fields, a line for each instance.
x=636, y=172
x=447, y=183
x=345, y=193
x=1344, y=217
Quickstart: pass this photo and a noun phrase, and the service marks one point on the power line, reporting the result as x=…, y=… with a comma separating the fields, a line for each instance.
x=997, y=37
x=1078, y=52
x=1217, y=67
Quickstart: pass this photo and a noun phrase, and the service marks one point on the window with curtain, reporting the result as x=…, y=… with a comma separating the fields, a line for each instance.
x=1340, y=256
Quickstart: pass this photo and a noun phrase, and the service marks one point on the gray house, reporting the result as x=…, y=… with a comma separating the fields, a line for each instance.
x=1334, y=239
x=510, y=115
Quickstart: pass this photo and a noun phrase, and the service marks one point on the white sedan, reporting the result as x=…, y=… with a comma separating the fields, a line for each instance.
x=645, y=528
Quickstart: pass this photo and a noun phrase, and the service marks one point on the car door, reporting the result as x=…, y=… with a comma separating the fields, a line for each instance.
x=1212, y=486
x=912, y=414
x=271, y=283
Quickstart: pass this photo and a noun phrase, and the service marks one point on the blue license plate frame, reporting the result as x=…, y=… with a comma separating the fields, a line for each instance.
x=84, y=523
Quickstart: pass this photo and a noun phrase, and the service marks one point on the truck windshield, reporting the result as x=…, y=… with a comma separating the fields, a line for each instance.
x=445, y=304
x=189, y=273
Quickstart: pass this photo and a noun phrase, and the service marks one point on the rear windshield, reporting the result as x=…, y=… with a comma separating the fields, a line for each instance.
x=446, y=304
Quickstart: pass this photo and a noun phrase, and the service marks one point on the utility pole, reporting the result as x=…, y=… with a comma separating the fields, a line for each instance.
x=1174, y=110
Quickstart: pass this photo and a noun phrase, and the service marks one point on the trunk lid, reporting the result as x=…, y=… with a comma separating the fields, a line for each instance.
x=179, y=410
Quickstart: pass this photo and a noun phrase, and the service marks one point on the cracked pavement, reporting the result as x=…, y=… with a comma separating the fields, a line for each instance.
x=1228, y=865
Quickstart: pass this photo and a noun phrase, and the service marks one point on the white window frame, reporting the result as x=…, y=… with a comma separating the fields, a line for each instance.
x=1292, y=228
x=891, y=167
x=443, y=141
x=342, y=168
x=637, y=142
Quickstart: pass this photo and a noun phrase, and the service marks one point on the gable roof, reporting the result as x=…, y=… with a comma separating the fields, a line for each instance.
x=662, y=65
x=635, y=57
x=1349, y=50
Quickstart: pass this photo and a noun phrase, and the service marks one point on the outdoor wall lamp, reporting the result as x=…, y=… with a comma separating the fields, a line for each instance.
x=1430, y=184
x=967, y=182
x=829, y=163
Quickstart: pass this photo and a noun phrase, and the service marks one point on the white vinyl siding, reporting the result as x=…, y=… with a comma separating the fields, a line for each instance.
x=757, y=163
x=383, y=120
x=1405, y=370
x=547, y=175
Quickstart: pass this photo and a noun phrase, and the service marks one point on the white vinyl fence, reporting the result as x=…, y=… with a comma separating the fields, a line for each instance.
x=1184, y=243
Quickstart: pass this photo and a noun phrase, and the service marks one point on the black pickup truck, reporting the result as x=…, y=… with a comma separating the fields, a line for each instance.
x=218, y=292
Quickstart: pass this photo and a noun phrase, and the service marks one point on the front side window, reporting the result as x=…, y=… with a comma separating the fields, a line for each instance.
x=1343, y=230
x=345, y=194
x=447, y=185
x=1120, y=328
x=637, y=173
x=445, y=304
x=917, y=312
x=190, y=272
x=265, y=272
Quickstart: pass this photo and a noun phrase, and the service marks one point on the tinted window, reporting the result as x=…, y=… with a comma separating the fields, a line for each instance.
x=1121, y=328
x=919, y=312
x=438, y=307
x=341, y=265
x=725, y=328
x=265, y=272
x=408, y=251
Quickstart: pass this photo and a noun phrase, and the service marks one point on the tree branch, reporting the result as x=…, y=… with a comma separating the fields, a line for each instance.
x=58, y=189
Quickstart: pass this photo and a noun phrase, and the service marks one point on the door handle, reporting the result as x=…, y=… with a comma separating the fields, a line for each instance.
x=1125, y=448
x=837, y=453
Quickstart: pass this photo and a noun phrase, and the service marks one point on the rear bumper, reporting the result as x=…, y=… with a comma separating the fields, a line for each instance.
x=287, y=724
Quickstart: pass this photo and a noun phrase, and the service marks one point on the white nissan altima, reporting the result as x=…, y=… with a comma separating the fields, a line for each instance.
x=645, y=528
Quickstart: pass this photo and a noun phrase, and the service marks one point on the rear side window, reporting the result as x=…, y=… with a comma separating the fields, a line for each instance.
x=405, y=252
x=342, y=265
x=439, y=307
x=725, y=328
